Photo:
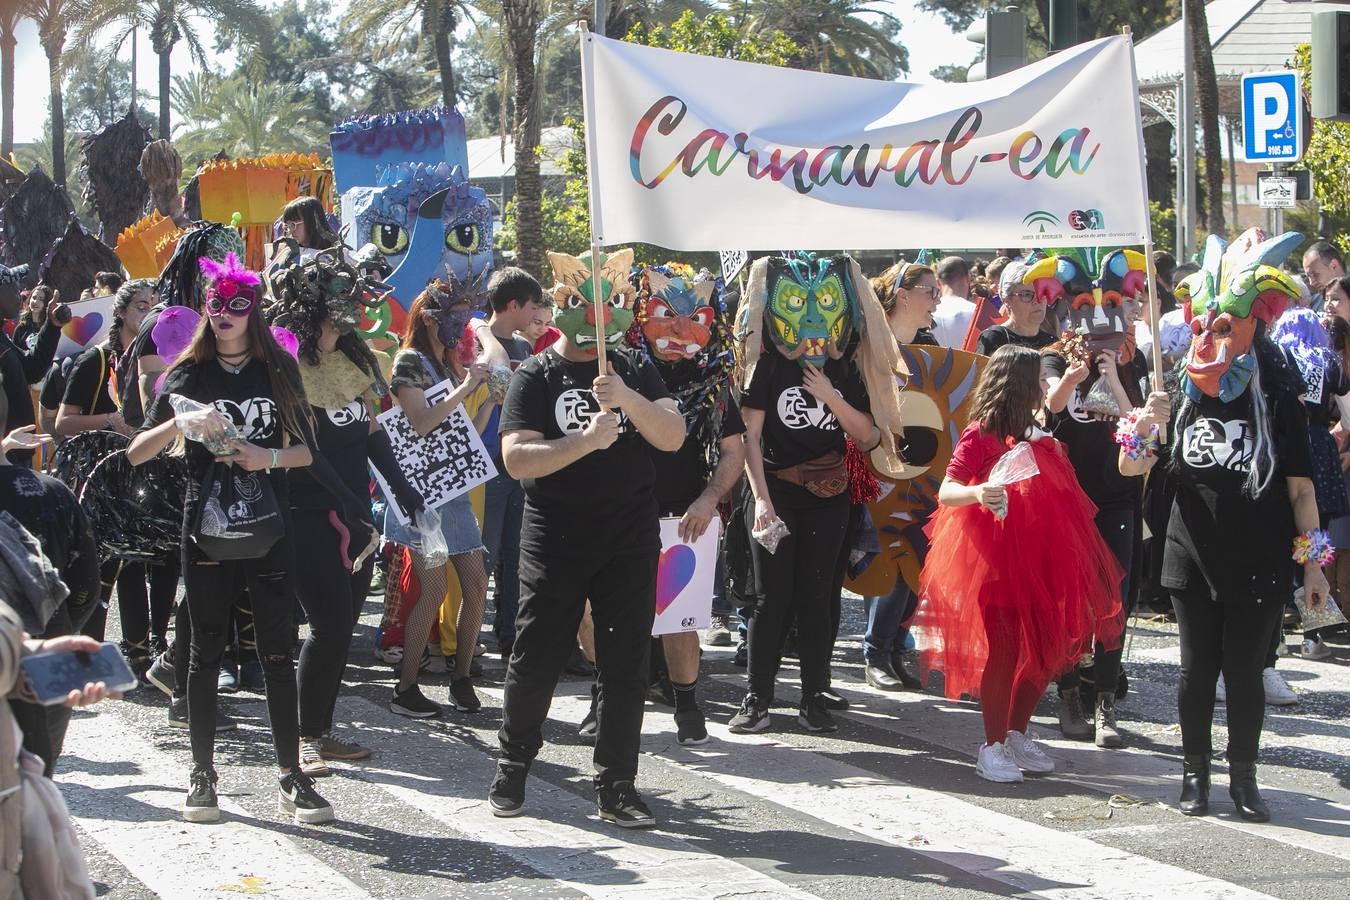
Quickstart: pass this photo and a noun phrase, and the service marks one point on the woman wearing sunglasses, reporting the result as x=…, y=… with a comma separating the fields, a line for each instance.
x=1026, y=316
x=235, y=365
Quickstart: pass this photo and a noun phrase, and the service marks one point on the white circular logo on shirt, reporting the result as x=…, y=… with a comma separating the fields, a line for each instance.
x=256, y=417
x=350, y=414
x=575, y=409
x=798, y=409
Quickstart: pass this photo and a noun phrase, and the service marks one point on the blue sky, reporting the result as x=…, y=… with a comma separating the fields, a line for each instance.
x=931, y=43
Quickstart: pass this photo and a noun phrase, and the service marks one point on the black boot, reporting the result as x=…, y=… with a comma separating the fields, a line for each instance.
x=1246, y=796
x=1195, y=786
x=588, y=725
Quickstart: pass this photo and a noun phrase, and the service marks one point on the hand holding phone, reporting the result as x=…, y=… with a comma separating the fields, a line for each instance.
x=76, y=671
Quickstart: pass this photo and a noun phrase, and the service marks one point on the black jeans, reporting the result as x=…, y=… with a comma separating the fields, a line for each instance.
x=553, y=594
x=1231, y=638
x=332, y=598
x=797, y=581
x=145, y=613
x=1120, y=529
x=212, y=590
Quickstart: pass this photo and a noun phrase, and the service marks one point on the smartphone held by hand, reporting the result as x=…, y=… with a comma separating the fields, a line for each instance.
x=52, y=675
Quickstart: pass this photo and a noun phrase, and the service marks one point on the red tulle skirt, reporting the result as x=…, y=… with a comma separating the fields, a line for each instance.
x=1042, y=580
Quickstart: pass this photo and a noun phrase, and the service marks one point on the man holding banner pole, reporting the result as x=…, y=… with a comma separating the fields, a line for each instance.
x=581, y=446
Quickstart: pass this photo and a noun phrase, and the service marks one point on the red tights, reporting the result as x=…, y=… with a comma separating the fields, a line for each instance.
x=1008, y=692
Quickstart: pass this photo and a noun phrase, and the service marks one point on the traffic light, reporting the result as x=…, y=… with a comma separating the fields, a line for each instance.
x=1331, y=65
x=1004, y=36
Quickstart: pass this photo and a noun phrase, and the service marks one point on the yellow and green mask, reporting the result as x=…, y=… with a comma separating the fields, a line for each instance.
x=811, y=310
x=576, y=310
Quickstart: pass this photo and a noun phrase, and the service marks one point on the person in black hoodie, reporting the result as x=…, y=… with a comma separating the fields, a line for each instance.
x=20, y=367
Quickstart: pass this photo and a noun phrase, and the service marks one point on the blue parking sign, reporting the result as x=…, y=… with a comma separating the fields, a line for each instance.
x=1272, y=117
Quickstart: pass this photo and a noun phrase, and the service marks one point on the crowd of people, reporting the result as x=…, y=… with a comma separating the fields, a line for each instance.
x=1186, y=457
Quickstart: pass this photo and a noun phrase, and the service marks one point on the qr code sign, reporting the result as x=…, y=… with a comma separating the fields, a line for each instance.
x=447, y=463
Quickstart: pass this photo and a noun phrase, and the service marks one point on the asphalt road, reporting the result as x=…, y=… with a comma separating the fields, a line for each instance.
x=887, y=807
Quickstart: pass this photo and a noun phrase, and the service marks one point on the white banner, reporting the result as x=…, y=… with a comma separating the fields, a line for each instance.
x=699, y=153
x=451, y=460
x=684, y=579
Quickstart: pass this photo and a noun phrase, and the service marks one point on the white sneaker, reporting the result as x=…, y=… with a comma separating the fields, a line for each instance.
x=1028, y=754
x=1220, y=691
x=1278, y=691
x=996, y=763
x=1313, y=648
x=392, y=656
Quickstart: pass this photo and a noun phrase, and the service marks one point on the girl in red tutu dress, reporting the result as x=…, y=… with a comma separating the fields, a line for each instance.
x=1017, y=580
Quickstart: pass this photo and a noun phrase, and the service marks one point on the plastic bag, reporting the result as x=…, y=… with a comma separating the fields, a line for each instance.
x=770, y=537
x=1018, y=464
x=1101, y=401
x=191, y=418
x=431, y=542
x=1323, y=617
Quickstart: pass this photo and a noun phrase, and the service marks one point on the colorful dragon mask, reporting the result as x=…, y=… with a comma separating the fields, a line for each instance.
x=811, y=309
x=1102, y=292
x=573, y=296
x=676, y=311
x=1237, y=288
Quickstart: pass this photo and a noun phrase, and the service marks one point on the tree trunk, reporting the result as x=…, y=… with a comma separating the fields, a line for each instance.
x=58, y=121
x=165, y=76
x=1207, y=98
x=7, y=44
x=444, y=64
x=523, y=22
x=1158, y=152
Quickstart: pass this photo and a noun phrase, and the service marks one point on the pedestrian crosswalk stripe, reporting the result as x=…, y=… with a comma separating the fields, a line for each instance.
x=123, y=793
x=1030, y=857
x=558, y=834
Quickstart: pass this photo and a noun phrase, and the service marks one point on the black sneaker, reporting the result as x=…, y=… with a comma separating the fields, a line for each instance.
x=462, y=696
x=832, y=700
x=815, y=716
x=201, y=805
x=178, y=716
x=507, y=794
x=690, y=729
x=297, y=798
x=413, y=704
x=591, y=722
x=161, y=674
x=621, y=804
x=742, y=656
x=752, y=717
x=907, y=678
x=137, y=656
x=251, y=676
x=475, y=667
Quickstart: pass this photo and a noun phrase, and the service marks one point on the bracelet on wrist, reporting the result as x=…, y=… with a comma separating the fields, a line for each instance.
x=276, y=459
x=1314, y=546
x=1133, y=444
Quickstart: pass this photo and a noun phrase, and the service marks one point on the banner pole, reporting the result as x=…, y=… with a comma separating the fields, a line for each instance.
x=597, y=301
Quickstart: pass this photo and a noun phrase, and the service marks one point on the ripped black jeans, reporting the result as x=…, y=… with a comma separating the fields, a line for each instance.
x=212, y=591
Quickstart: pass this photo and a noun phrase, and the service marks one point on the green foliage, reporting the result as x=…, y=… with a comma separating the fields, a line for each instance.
x=1328, y=159
x=565, y=216
x=1163, y=223
x=950, y=72
x=242, y=118
x=98, y=93
x=845, y=37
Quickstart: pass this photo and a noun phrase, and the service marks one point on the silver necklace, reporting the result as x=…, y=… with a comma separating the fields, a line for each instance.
x=233, y=368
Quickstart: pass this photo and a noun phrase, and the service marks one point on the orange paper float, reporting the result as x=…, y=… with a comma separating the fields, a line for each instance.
x=146, y=246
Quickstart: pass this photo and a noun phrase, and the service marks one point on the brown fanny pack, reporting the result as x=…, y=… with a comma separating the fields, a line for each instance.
x=824, y=476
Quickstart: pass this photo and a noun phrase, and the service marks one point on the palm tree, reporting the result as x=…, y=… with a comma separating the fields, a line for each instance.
x=242, y=118
x=53, y=18
x=168, y=22
x=9, y=21
x=834, y=36
x=435, y=19
x=622, y=16
x=1207, y=97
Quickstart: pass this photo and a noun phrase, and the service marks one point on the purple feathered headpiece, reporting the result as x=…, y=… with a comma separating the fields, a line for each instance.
x=229, y=279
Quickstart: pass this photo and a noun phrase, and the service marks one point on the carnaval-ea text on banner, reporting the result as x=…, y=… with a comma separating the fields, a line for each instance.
x=698, y=153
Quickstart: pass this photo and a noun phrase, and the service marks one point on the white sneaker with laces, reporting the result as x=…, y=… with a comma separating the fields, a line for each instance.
x=1278, y=691
x=1220, y=691
x=1313, y=648
x=995, y=763
x=1028, y=754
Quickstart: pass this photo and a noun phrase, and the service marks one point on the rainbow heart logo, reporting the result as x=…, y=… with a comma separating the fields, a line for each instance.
x=673, y=574
x=83, y=329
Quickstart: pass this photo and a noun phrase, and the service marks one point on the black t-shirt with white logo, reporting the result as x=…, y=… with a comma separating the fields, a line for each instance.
x=1219, y=540
x=340, y=436
x=245, y=399
x=797, y=427
x=1090, y=437
x=604, y=503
